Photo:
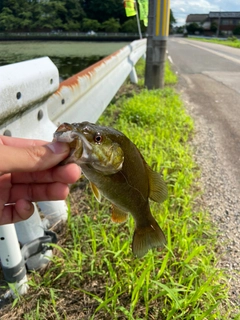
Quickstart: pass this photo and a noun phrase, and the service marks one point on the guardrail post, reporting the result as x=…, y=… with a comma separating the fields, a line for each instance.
x=133, y=76
x=12, y=262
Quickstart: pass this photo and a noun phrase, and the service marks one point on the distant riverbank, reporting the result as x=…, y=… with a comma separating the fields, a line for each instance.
x=68, y=36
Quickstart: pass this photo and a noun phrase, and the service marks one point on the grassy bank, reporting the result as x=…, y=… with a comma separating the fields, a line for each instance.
x=230, y=42
x=94, y=275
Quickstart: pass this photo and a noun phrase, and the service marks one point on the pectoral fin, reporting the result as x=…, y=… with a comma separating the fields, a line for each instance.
x=158, y=187
x=118, y=215
x=96, y=192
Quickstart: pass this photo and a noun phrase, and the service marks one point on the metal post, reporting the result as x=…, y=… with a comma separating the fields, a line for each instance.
x=158, y=29
x=138, y=21
x=12, y=262
x=27, y=232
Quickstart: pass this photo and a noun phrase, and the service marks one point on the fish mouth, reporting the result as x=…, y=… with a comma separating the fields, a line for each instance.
x=65, y=133
x=78, y=143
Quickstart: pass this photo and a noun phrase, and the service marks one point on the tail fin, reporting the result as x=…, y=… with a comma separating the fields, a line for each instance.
x=147, y=237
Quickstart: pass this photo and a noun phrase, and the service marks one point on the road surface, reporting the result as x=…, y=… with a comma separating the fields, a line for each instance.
x=209, y=82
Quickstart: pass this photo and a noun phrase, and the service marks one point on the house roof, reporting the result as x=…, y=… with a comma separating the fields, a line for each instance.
x=224, y=14
x=196, y=18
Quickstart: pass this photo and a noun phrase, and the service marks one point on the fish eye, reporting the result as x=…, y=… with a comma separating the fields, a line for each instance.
x=98, y=138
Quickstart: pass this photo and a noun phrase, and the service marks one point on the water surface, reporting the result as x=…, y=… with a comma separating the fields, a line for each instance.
x=70, y=57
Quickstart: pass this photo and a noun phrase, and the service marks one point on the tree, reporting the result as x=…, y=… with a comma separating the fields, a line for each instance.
x=104, y=10
x=111, y=25
x=236, y=31
x=26, y=20
x=8, y=21
x=172, y=20
x=180, y=29
x=50, y=17
x=192, y=28
x=214, y=27
x=11, y=15
x=65, y=15
x=90, y=24
x=130, y=26
x=73, y=14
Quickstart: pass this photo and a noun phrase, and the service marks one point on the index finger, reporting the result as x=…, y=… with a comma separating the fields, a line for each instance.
x=68, y=173
x=21, y=142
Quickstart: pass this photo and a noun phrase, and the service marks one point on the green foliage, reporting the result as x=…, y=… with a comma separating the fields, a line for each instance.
x=214, y=26
x=180, y=29
x=229, y=42
x=233, y=38
x=8, y=21
x=90, y=24
x=25, y=15
x=111, y=25
x=170, y=78
x=130, y=25
x=172, y=21
x=192, y=28
x=236, y=31
x=105, y=10
x=41, y=15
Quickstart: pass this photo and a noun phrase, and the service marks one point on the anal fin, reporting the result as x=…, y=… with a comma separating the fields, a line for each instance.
x=118, y=215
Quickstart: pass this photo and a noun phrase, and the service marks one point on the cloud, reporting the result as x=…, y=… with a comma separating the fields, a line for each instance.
x=182, y=8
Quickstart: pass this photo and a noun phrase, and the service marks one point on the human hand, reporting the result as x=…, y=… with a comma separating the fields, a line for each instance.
x=29, y=173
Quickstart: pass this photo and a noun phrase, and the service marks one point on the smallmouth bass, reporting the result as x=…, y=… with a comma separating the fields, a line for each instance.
x=116, y=170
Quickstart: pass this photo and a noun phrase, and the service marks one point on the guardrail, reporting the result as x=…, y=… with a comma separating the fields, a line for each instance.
x=32, y=104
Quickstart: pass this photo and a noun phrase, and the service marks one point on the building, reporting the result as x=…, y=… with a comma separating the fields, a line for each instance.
x=215, y=22
x=196, y=18
x=225, y=21
x=202, y=20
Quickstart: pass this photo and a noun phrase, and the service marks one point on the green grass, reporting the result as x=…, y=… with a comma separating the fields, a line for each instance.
x=230, y=42
x=94, y=275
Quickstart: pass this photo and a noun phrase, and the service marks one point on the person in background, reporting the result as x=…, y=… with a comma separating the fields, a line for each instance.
x=29, y=172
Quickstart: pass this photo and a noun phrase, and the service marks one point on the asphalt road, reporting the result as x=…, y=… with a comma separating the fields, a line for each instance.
x=209, y=83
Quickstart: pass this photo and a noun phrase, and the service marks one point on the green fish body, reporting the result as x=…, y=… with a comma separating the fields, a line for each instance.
x=117, y=170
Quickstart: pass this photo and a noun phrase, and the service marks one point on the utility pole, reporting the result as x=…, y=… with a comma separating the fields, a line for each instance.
x=158, y=30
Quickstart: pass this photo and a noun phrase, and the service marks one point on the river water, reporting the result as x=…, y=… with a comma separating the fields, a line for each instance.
x=70, y=57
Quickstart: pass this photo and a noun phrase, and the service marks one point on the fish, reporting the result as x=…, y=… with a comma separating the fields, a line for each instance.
x=117, y=171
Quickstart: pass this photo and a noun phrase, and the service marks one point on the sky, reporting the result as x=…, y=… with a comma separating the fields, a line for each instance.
x=182, y=8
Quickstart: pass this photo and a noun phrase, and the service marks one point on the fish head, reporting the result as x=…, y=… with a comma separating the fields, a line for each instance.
x=92, y=145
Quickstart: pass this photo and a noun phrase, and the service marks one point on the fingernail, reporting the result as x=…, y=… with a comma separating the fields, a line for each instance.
x=27, y=206
x=58, y=147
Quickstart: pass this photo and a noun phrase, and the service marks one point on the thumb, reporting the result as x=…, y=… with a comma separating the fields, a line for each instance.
x=32, y=158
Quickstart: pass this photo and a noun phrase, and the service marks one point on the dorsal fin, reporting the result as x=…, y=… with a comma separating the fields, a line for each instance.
x=158, y=188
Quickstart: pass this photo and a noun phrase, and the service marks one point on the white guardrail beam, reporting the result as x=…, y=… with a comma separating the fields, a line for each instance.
x=85, y=95
x=32, y=105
